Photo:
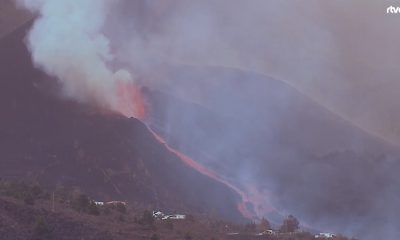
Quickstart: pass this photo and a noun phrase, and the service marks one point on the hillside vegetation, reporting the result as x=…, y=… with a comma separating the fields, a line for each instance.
x=29, y=212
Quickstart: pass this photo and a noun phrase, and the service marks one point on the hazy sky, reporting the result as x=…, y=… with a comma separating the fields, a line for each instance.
x=345, y=54
x=342, y=53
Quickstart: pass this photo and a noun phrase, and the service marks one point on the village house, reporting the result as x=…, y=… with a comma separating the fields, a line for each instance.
x=325, y=235
x=112, y=203
x=267, y=232
x=99, y=203
x=161, y=216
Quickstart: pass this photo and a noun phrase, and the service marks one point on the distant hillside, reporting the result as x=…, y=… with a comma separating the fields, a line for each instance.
x=60, y=143
x=19, y=222
x=29, y=212
x=263, y=134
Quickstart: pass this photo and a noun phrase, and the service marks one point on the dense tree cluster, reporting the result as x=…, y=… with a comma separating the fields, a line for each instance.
x=28, y=193
x=147, y=218
x=290, y=224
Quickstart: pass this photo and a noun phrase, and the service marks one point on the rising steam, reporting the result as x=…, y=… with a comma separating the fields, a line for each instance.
x=98, y=49
x=66, y=41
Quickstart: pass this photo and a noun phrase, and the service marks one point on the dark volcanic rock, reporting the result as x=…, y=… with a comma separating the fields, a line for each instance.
x=61, y=143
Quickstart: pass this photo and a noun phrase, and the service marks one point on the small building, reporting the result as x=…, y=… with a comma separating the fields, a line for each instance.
x=111, y=203
x=325, y=235
x=160, y=215
x=267, y=232
x=115, y=203
x=99, y=203
x=174, y=217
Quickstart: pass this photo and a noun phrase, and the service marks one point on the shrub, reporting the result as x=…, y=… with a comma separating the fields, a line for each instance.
x=188, y=236
x=36, y=191
x=155, y=237
x=121, y=218
x=169, y=224
x=21, y=190
x=250, y=227
x=93, y=209
x=290, y=224
x=29, y=200
x=41, y=230
x=190, y=218
x=80, y=203
x=121, y=208
x=264, y=225
x=16, y=189
x=147, y=218
x=63, y=194
x=106, y=210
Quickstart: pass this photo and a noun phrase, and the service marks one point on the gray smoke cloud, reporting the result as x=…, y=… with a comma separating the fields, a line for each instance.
x=342, y=54
x=329, y=51
x=67, y=42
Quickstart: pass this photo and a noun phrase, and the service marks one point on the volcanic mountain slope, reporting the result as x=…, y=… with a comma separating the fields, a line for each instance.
x=264, y=135
x=19, y=221
x=239, y=96
x=60, y=143
x=28, y=212
x=11, y=17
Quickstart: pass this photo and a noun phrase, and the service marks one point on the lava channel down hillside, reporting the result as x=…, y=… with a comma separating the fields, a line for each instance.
x=130, y=100
x=132, y=104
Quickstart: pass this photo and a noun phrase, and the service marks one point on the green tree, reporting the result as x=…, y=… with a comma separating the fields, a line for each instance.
x=154, y=237
x=29, y=200
x=290, y=224
x=93, y=208
x=41, y=230
x=188, y=236
x=80, y=202
x=63, y=194
x=190, y=218
x=106, y=210
x=169, y=224
x=147, y=218
x=36, y=191
x=250, y=227
x=121, y=218
x=121, y=208
x=264, y=225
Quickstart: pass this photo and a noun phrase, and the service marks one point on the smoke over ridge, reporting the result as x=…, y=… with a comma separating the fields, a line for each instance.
x=67, y=42
x=100, y=49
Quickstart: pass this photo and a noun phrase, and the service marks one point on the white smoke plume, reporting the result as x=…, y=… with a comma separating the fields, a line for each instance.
x=342, y=53
x=67, y=42
x=327, y=50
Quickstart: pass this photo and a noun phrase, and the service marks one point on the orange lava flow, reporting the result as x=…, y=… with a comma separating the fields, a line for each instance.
x=131, y=104
x=130, y=100
x=211, y=174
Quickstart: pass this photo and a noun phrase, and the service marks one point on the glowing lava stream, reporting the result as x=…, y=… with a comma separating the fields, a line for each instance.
x=209, y=173
x=131, y=104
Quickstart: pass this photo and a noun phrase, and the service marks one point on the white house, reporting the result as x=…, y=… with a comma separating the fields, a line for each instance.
x=174, y=217
x=162, y=216
x=267, y=232
x=113, y=203
x=325, y=235
x=99, y=203
x=158, y=214
x=116, y=203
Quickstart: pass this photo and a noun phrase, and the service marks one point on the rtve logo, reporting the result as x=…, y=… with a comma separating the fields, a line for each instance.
x=392, y=9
